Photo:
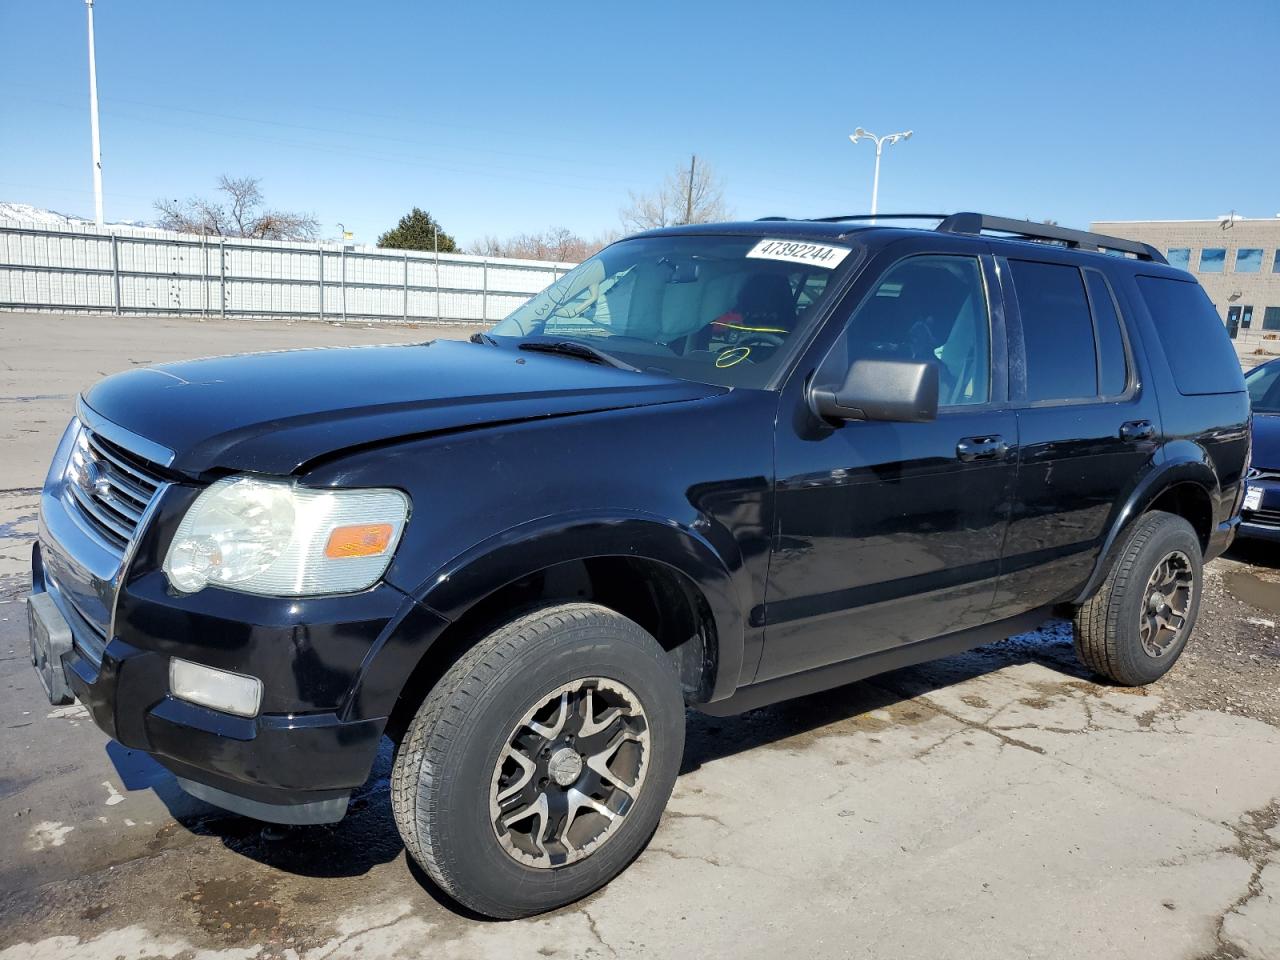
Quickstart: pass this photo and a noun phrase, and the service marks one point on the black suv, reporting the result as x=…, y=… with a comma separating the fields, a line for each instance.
x=713, y=465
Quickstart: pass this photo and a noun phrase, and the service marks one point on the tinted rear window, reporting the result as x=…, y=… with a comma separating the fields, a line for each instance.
x=1057, y=331
x=1194, y=339
x=1114, y=364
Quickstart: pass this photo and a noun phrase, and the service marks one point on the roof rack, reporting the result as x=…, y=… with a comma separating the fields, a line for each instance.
x=879, y=216
x=978, y=223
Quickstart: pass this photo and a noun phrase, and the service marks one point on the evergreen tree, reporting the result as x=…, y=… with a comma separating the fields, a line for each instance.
x=417, y=230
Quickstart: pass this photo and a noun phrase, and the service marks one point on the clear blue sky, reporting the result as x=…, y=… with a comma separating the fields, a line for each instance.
x=508, y=117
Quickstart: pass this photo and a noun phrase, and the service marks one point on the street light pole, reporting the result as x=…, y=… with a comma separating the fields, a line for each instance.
x=875, y=179
x=889, y=138
x=93, y=122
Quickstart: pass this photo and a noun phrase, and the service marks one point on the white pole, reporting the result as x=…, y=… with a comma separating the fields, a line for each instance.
x=875, y=181
x=889, y=138
x=93, y=122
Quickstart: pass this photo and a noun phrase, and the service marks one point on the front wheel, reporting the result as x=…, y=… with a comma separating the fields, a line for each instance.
x=539, y=765
x=1136, y=626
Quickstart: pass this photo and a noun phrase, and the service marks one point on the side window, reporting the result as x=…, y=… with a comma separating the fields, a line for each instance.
x=1113, y=364
x=1057, y=331
x=1195, y=341
x=931, y=308
x=1261, y=384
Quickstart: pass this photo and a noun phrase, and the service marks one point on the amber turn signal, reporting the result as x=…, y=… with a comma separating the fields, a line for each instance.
x=361, y=540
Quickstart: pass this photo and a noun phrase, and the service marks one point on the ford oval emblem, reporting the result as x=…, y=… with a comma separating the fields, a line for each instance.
x=93, y=480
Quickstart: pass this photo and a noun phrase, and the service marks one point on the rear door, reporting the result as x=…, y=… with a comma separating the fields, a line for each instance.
x=1087, y=424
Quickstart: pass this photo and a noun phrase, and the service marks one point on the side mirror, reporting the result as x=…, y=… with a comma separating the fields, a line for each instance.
x=898, y=390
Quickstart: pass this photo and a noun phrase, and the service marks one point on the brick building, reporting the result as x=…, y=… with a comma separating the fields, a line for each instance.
x=1236, y=260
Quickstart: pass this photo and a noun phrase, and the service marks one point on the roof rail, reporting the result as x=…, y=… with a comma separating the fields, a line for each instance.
x=879, y=216
x=978, y=223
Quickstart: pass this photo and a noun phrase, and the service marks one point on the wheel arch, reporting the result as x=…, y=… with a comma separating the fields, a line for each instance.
x=668, y=578
x=1186, y=487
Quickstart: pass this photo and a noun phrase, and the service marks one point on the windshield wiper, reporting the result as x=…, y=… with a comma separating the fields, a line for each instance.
x=482, y=338
x=573, y=348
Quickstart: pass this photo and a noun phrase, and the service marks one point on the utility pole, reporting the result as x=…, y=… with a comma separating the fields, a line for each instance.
x=688, y=197
x=93, y=122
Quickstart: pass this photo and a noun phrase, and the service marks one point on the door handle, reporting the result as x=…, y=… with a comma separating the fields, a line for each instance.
x=1136, y=430
x=981, y=448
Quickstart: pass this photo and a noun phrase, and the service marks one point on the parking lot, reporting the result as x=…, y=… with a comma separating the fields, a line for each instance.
x=995, y=804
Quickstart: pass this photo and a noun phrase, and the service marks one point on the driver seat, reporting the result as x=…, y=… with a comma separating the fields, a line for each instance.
x=766, y=304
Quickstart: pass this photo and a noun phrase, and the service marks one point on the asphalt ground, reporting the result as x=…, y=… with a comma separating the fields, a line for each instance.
x=997, y=804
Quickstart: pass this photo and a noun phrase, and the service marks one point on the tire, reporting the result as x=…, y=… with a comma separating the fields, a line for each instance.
x=457, y=757
x=1117, y=631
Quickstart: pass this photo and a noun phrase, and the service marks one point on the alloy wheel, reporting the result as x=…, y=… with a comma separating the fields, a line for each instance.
x=1166, y=604
x=570, y=772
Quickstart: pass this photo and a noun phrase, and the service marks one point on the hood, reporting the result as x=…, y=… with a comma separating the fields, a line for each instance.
x=274, y=412
x=1266, y=441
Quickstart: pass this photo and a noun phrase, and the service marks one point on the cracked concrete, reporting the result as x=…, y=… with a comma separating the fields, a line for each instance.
x=1250, y=929
x=995, y=804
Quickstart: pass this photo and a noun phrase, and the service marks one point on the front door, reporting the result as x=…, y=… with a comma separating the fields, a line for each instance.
x=1233, y=321
x=891, y=533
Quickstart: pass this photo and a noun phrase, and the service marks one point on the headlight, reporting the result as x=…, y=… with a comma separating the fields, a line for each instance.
x=275, y=538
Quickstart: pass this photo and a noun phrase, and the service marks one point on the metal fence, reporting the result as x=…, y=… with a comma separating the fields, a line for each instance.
x=126, y=270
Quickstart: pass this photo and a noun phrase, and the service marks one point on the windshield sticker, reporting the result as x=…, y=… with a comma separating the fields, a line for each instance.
x=817, y=254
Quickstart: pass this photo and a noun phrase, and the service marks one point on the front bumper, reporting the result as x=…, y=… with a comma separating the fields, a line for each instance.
x=321, y=721
x=1261, y=521
x=285, y=767
x=1253, y=530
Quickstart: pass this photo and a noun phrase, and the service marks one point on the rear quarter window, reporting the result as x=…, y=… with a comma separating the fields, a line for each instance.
x=1195, y=341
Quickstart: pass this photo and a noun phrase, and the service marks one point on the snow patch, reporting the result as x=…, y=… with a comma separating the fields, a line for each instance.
x=76, y=711
x=49, y=833
x=40, y=217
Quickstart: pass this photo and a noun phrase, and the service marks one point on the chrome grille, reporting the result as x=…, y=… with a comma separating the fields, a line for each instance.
x=89, y=636
x=1268, y=518
x=109, y=488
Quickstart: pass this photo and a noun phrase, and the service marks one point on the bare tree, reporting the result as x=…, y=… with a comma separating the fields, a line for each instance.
x=556, y=243
x=693, y=194
x=238, y=213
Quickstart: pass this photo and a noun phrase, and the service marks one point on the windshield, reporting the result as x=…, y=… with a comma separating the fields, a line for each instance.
x=1263, y=384
x=714, y=309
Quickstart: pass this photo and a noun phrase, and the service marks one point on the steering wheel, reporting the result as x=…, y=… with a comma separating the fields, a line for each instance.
x=759, y=340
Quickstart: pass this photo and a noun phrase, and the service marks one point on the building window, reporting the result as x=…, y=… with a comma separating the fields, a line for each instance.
x=1275, y=264
x=1212, y=259
x=1248, y=260
x=1271, y=318
x=1180, y=257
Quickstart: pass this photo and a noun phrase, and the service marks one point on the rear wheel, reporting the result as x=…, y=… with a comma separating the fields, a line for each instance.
x=539, y=765
x=1136, y=626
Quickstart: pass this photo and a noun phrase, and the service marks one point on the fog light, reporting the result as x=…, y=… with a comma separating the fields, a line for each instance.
x=216, y=689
